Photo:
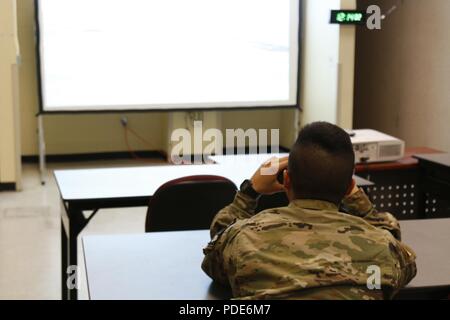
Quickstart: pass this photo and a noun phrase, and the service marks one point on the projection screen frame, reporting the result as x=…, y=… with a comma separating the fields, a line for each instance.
x=41, y=110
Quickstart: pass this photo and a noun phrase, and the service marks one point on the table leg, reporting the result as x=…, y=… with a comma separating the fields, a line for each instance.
x=64, y=257
x=73, y=254
x=72, y=223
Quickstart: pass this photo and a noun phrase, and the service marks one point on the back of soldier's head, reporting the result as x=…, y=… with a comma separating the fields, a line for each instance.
x=321, y=163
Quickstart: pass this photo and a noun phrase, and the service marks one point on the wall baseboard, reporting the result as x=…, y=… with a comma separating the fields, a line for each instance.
x=122, y=155
x=8, y=186
x=79, y=157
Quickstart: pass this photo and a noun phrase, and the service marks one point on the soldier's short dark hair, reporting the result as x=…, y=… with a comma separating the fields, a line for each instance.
x=321, y=162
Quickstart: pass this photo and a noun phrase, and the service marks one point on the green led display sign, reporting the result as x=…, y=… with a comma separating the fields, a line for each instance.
x=348, y=17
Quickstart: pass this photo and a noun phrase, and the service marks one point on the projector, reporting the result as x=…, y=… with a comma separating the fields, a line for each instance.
x=373, y=146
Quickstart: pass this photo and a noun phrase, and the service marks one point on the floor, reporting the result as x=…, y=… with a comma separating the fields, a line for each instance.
x=30, y=233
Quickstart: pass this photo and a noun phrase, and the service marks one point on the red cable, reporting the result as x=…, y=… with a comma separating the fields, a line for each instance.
x=130, y=150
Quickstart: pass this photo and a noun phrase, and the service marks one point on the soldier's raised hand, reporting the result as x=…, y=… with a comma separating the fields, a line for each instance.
x=264, y=181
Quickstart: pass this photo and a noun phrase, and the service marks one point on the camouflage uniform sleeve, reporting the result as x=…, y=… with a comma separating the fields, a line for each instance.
x=358, y=204
x=406, y=262
x=218, y=261
x=243, y=207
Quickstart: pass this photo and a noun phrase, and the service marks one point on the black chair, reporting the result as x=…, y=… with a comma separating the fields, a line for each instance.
x=188, y=203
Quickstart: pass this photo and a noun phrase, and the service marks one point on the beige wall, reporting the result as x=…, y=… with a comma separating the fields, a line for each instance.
x=346, y=75
x=9, y=164
x=320, y=62
x=403, y=73
x=328, y=65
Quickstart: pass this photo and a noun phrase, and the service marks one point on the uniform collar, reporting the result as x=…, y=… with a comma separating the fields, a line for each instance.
x=313, y=204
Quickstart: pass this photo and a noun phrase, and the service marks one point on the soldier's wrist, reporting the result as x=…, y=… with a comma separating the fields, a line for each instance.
x=247, y=189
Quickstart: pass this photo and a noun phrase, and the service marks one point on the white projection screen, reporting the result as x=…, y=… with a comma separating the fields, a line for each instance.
x=115, y=55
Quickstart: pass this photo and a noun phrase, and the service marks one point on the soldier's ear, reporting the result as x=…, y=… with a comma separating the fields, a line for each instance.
x=286, y=179
x=350, y=187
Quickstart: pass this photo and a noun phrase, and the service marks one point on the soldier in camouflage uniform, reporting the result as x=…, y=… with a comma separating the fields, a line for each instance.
x=318, y=247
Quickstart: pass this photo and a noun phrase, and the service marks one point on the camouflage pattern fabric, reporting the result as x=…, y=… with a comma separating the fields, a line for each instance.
x=307, y=250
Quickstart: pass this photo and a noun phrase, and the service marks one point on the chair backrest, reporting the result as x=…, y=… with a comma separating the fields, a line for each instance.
x=188, y=203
